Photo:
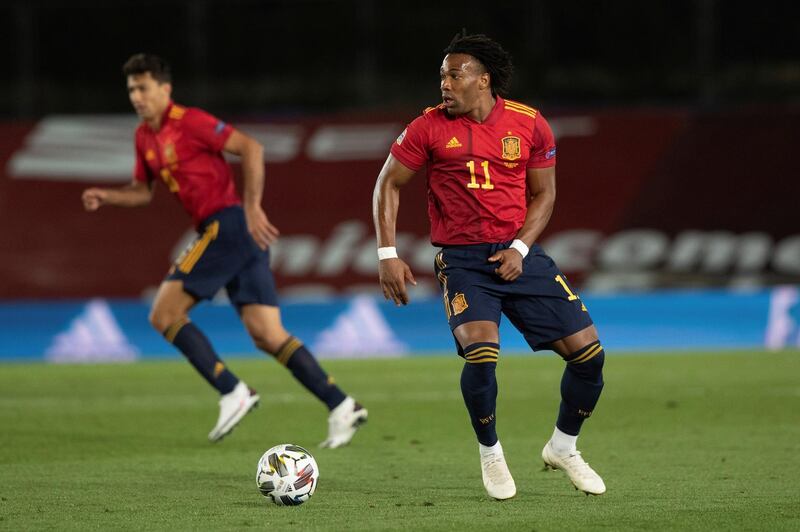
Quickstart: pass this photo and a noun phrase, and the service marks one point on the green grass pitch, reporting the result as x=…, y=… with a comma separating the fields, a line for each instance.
x=683, y=441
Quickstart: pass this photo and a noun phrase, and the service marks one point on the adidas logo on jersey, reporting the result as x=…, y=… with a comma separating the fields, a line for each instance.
x=453, y=143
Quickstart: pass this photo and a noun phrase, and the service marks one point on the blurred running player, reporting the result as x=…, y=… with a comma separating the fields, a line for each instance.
x=491, y=189
x=183, y=148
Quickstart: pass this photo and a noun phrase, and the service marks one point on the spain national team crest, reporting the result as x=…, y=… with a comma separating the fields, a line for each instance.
x=511, y=148
x=169, y=153
x=459, y=304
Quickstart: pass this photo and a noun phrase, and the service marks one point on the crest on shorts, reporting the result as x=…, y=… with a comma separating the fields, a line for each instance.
x=511, y=148
x=459, y=304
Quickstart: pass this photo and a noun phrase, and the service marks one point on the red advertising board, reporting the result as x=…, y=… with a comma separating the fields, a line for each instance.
x=646, y=198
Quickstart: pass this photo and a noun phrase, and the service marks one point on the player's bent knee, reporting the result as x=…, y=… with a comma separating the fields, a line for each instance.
x=588, y=361
x=475, y=332
x=161, y=321
x=266, y=344
x=265, y=328
x=158, y=321
x=266, y=338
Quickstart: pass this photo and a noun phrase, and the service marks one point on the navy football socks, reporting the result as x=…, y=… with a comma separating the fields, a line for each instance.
x=194, y=345
x=581, y=385
x=305, y=368
x=479, y=388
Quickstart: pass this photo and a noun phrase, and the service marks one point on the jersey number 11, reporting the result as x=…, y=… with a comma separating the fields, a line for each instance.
x=473, y=181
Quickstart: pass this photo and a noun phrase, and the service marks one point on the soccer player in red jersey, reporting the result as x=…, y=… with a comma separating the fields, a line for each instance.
x=491, y=189
x=183, y=147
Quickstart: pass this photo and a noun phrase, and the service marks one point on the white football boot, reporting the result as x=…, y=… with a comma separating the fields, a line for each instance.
x=497, y=478
x=582, y=476
x=233, y=406
x=343, y=422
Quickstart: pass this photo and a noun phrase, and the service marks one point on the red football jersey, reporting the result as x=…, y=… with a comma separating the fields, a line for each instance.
x=477, y=188
x=186, y=153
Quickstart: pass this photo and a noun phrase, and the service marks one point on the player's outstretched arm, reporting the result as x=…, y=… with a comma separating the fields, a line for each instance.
x=136, y=194
x=393, y=272
x=542, y=190
x=252, y=154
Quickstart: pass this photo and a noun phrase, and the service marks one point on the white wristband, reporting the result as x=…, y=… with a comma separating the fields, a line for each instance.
x=520, y=246
x=387, y=253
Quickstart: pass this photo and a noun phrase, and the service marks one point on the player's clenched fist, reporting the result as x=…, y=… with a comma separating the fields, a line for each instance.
x=510, y=264
x=93, y=198
x=393, y=276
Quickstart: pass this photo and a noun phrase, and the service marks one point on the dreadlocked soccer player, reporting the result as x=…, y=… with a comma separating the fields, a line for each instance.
x=491, y=190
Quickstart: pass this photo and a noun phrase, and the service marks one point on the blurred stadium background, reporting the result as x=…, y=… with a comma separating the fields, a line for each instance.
x=677, y=124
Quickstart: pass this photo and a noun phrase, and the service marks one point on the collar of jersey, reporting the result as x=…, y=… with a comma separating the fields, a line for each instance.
x=493, y=116
x=164, y=117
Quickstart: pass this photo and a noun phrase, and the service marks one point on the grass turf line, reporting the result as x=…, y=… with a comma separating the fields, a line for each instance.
x=684, y=442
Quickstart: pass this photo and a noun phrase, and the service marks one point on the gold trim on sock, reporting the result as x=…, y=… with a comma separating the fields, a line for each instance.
x=482, y=354
x=172, y=331
x=287, y=350
x=481, y=360
x=593, y=352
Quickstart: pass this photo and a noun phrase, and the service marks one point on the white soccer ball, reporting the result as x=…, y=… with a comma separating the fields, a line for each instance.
x=287, y=474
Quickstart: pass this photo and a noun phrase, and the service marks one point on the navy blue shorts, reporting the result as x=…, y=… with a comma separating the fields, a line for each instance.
x=540, y=303
x=225, y=254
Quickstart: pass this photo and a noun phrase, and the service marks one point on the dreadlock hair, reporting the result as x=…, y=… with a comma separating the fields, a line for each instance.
x=491, y=55
x=143, y=63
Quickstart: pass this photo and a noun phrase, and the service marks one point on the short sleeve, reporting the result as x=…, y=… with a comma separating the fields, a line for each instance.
x=141, y=172
x=208, y=129
x=411, y=147
x=543, y=153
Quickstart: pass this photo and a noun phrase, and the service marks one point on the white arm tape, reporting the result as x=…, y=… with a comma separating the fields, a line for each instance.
x=520, y=246
x=387, y=253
